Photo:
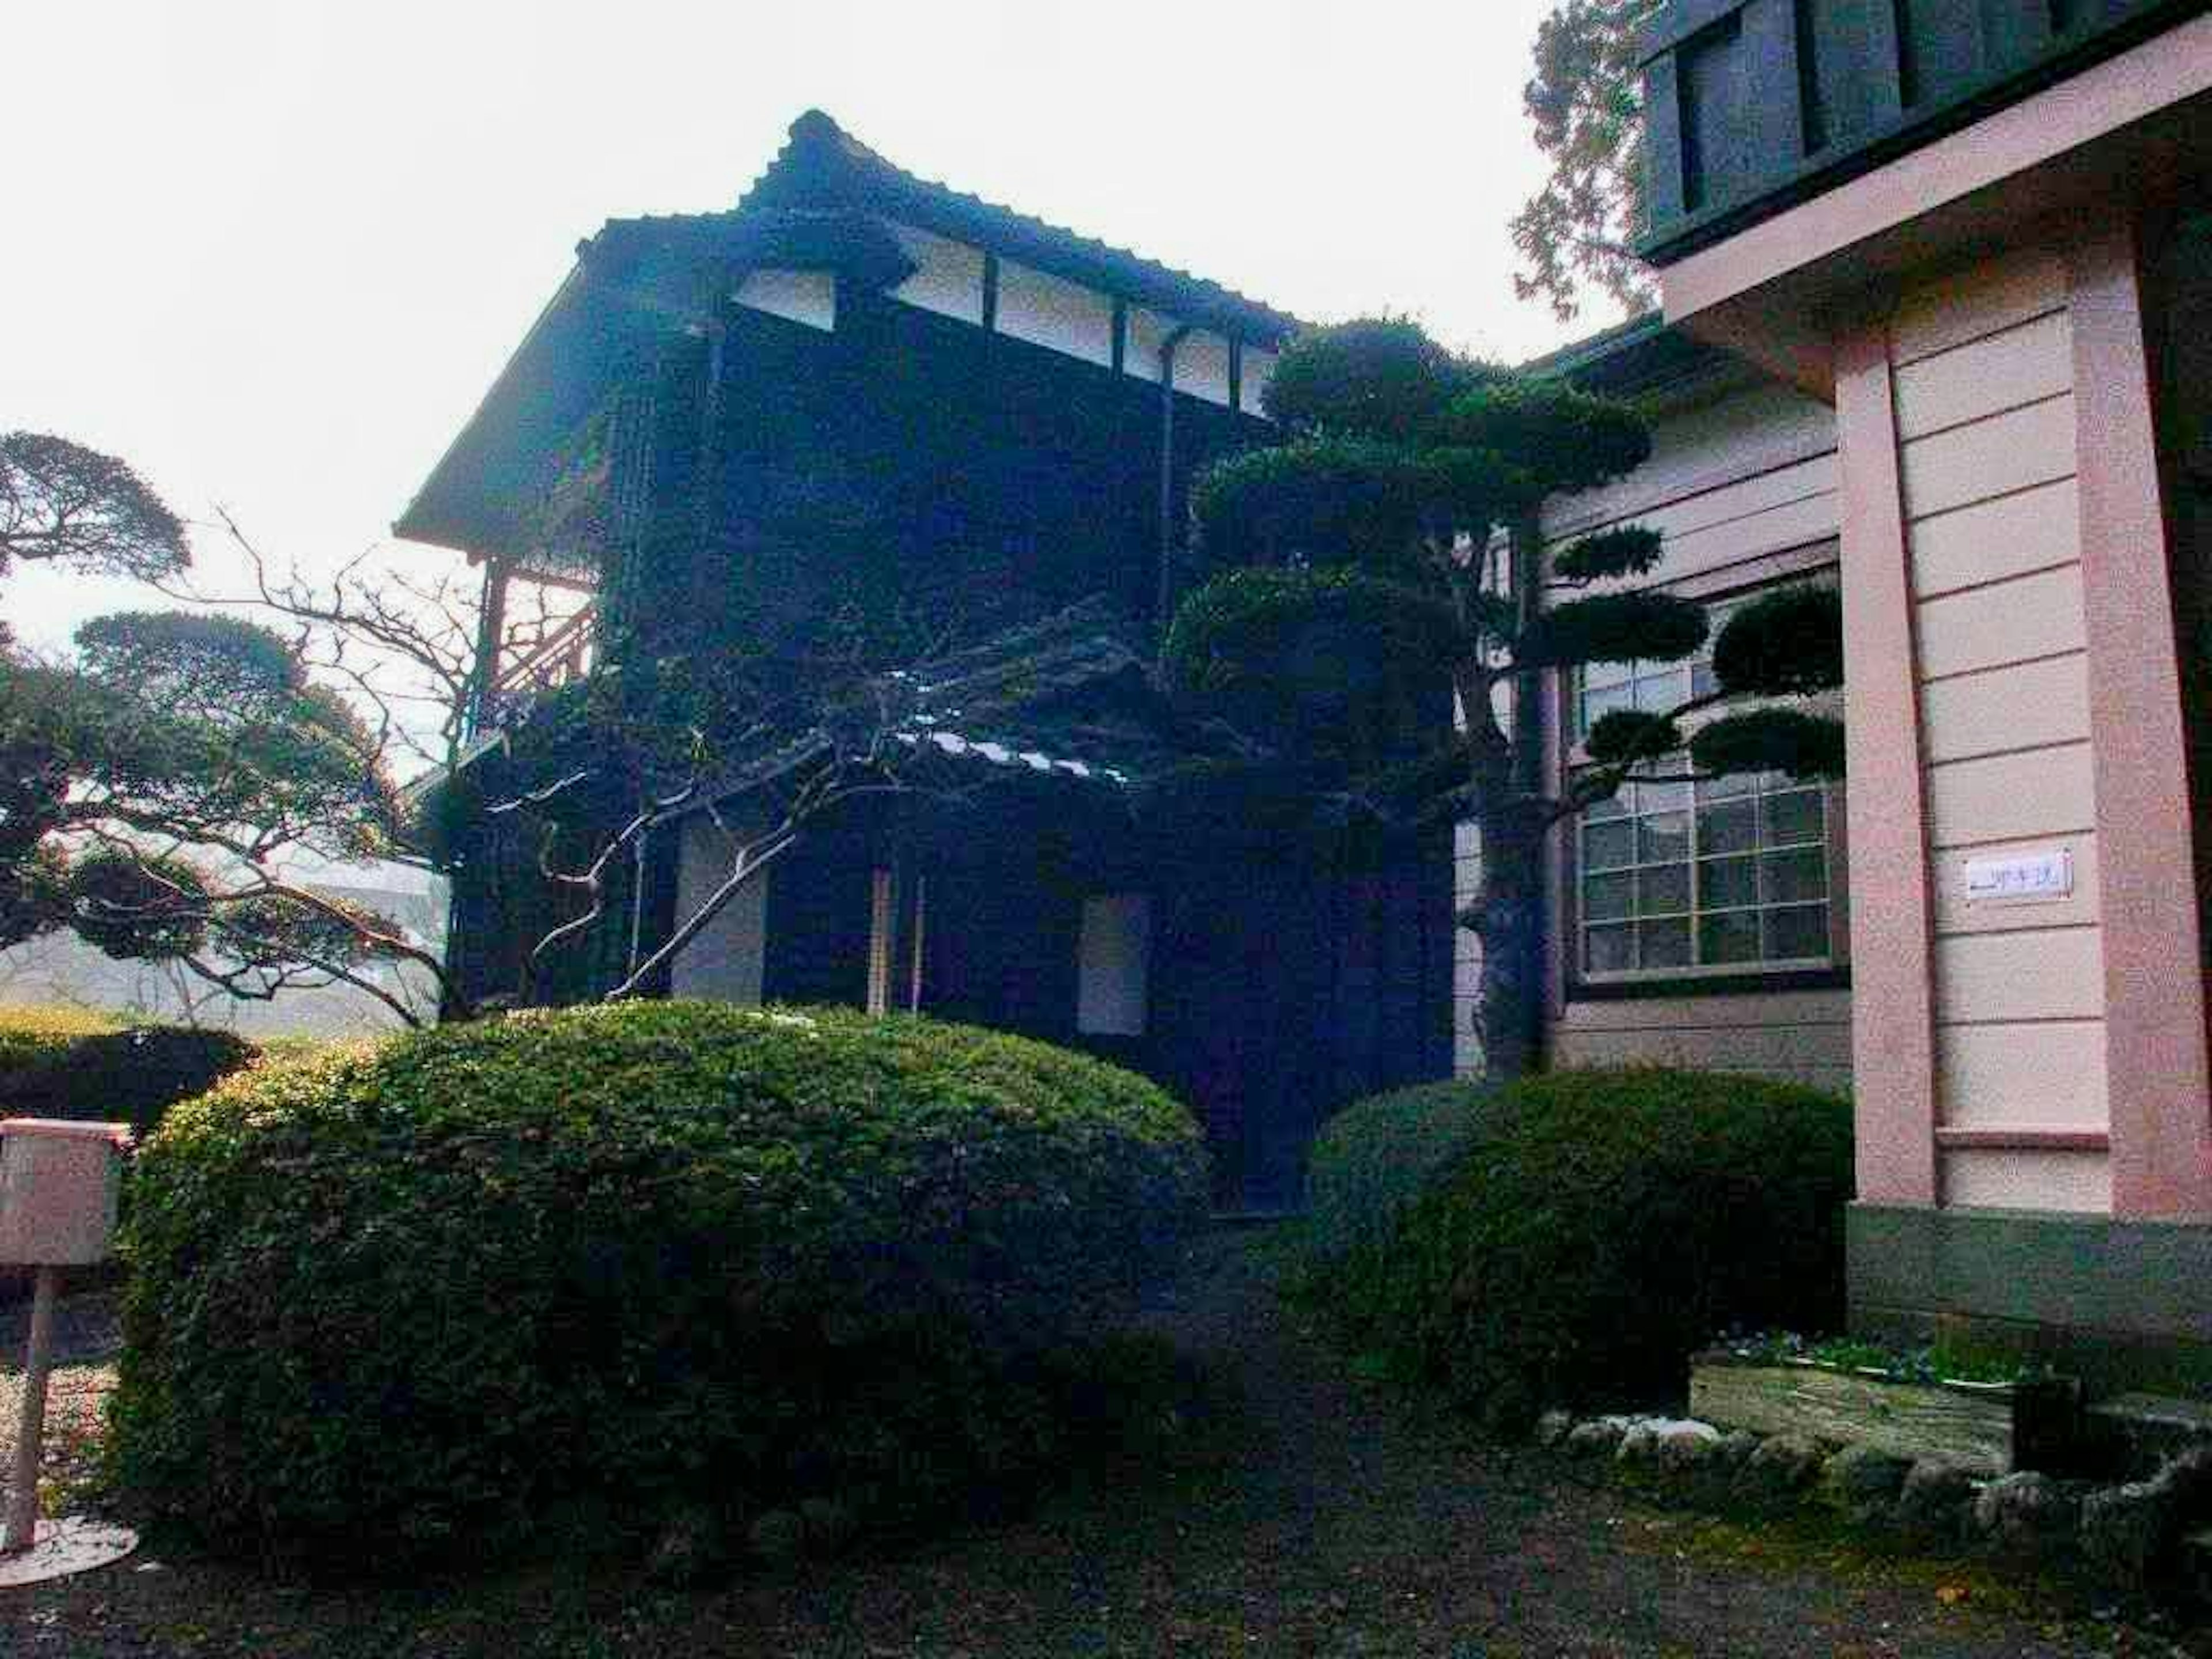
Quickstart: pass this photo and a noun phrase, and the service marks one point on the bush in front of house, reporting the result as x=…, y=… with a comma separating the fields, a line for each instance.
x=657, y=1252
x=131, y=1076
x=30, y=1031
x=1374, y=1159
x=1602, y=1226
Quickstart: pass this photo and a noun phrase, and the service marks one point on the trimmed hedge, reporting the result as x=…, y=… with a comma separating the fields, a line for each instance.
x=28, y=1030
x=130, y=1077
x=1601, y=1226
x=660, y=1250
x=1378, y=1156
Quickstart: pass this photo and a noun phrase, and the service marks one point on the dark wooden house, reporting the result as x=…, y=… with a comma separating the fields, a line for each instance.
x=859, y=392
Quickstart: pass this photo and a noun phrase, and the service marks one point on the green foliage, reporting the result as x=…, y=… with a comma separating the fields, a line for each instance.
x=130, y=1076
x=1549, y=431
x=1770, y=740
x=1332, y=659
x=1602, y=1226
x=1380, y=377
x=1339, y=501
x=1788, y=643
x=1627, y=735
x=1643, y=626
x=28, y=1031
x=149, y=908
x=1631, y=552
x=1585, y=102
x=1377, y=1157
x=87, y=511
x=651, y=1249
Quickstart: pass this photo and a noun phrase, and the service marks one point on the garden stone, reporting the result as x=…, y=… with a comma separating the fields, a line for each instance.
x=1736, y=1448
x=1783, y=1467
x=1639, y=1443
x=1598, y=1438
x=1936, y=1499
x=1553, y=1427
x=2026, y=1511
x=692, y=1548
x=1862, y=1483
x=778, y=1537
x=1687, y=1447
x=2125, y=1529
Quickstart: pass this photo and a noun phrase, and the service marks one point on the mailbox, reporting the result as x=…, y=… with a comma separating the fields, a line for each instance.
x=57, y=1186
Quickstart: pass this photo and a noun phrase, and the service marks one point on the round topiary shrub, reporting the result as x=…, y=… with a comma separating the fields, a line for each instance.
x=130, y=1076
x=655, y=1251
x=1374, y=1159
x=1602, y=1226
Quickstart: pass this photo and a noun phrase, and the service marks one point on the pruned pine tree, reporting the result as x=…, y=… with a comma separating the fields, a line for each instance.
x=1381, y=619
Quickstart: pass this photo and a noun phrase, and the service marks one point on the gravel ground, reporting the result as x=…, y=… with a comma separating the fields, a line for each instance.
x=1323, y=1519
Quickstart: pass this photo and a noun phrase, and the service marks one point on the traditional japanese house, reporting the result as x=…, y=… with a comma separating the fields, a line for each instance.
x=860, y=392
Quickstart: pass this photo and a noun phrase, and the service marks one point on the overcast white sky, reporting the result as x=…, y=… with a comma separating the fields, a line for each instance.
x=273, y=253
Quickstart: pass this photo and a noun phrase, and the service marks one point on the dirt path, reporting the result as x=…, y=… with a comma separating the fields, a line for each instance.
x=1339, y=1524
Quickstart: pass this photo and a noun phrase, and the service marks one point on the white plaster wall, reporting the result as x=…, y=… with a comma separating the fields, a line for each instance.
x=1114, y=963
x=1060, y=315
x=1257, y=369
x=798, y=296
x=950, y=277
x=725, y=962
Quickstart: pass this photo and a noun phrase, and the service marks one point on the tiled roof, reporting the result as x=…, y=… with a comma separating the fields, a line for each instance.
x=1016, y=703
x=820, y=157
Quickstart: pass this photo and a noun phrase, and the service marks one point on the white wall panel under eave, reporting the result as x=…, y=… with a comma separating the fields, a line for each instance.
x=949, y=277
x=1258, y=368
x=725, y=962
x=1060, y=315
x=798, y=296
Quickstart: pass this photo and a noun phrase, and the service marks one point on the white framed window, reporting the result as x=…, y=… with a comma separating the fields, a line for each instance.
x=1675, y=879
x=1652, y=687
x=1729, y=874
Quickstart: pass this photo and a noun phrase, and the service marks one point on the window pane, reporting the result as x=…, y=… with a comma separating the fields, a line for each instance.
x=1597, y=674
x=1663, y=891
x=1664, y=797
x=1608, y=950
x=1800, y=930
x=1664, y=944
x=1609, y=898
x=1727, y=884
x=1797, y=816
x=1788, y=877
x=1702, y=681
x=1612, y=806
x=1661, y=691
x=1609, y=845
x=1662, y=838
x=1726, y=827
x=1597, y=704
x=1732, y=937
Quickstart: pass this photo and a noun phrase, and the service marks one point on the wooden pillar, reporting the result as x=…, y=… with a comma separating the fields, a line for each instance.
x=1892, y=995
x=2154, y=988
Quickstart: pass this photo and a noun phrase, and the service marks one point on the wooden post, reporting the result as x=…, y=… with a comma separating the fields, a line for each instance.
x=31, y=1428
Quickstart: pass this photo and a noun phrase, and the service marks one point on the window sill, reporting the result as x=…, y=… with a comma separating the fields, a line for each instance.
x=1709, y=985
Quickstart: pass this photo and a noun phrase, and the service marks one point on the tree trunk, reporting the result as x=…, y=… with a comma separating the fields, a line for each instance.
x=1507, y=914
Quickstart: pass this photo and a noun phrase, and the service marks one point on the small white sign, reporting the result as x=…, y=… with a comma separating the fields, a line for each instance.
x=2027, y=879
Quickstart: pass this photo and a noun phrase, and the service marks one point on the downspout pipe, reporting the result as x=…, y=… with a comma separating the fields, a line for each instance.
x=1181, y=332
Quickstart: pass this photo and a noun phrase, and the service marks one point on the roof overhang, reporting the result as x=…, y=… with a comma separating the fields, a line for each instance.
x=2131, y=132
